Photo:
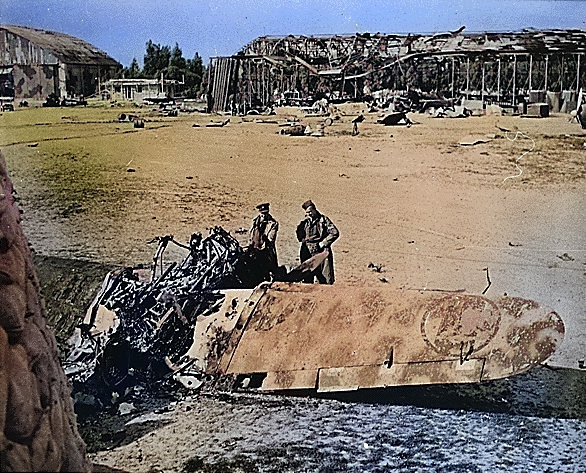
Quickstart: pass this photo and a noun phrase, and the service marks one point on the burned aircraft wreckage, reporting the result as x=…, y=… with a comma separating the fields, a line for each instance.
x=506, y=69
x=205, y=322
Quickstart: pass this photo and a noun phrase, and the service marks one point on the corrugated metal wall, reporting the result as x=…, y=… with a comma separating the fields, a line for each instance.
x=223, y=77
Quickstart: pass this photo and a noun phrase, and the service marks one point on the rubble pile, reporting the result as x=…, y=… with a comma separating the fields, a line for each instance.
x=37, y=425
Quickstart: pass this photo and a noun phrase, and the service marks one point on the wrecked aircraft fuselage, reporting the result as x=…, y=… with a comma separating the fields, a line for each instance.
x=197, y=321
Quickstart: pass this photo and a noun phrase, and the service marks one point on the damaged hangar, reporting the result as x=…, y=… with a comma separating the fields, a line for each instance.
x=495, y=68
x=36, y=63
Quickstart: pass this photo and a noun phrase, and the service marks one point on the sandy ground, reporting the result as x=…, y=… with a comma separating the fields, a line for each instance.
x=432, y=212
x=435, y=214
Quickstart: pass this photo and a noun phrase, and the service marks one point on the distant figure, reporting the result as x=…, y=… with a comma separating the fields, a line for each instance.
x=581, y=110
x=263, y=237
x=316, y=232
x=355, y=122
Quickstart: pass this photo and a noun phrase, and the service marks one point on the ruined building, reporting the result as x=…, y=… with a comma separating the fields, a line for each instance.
x=37, y=63
x=502, y=68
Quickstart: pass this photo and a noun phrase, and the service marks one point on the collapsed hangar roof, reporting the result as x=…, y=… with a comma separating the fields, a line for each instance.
x=450, y=42
x=68, y=49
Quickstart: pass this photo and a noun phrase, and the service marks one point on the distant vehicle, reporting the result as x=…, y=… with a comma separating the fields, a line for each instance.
x=7, y=104
x=158, y=99
x=55, y=101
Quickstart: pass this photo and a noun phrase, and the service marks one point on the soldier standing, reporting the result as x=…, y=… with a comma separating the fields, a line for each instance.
x=263, y=237
x=316, y=232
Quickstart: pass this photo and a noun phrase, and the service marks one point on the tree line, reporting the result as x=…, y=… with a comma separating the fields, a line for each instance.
x=171, y=63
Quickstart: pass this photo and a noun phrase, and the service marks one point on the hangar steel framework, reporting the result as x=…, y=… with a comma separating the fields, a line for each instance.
x=502, y=68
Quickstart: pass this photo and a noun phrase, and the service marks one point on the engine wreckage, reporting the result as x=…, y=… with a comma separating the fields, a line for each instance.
x=201, y=321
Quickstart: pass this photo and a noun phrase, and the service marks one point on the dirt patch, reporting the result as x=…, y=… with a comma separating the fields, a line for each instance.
x=68, y=287
x=411, y=202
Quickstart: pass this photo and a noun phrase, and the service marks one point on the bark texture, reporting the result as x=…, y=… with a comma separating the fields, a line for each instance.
x=38, y=430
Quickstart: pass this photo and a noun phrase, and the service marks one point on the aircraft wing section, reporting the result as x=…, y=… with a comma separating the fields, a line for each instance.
x=340, y=337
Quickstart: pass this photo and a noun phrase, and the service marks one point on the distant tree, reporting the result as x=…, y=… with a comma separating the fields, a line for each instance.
x=194, y=76
x=177, y=59
x=133, y=71
x=162, y=59
x=177, y=65
x=156, y=59
x=195, y=65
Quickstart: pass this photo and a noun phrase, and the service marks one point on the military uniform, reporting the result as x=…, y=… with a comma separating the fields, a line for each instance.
x=316, y=235
x=263, y=236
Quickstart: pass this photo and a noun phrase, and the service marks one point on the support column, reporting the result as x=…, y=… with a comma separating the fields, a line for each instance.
x=498, y=81
x=578, y=73
x=453, y=75
x=530, y=71
x=562, y=73
x=249, y=86
x=546, y=71
x=482, y=91
x=468, y=77
x=514, y=80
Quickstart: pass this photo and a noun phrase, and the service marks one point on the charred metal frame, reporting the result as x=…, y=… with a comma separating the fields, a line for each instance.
x=501, y=68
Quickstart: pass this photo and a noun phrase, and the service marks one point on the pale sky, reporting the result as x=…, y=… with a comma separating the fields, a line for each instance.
x=222, y=27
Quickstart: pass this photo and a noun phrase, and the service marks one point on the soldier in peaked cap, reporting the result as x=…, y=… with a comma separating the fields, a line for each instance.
x=263, y=237
x=316, y=233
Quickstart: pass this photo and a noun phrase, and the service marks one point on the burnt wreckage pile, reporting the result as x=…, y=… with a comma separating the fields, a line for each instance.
x=155, y=312
x=497, y=68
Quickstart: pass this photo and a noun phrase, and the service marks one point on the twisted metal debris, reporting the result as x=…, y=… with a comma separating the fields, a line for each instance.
x=155, y=312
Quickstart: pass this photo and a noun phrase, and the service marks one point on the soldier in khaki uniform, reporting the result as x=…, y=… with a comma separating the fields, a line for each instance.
x=316, y=232
x=263, y=237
